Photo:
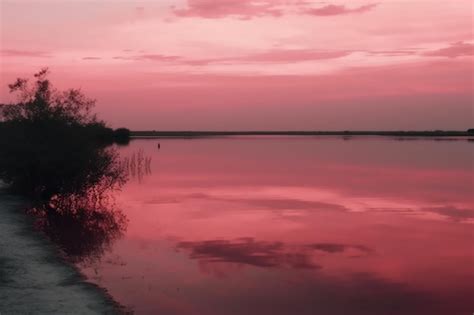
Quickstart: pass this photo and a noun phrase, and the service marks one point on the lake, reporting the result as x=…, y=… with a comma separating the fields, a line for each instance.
x=294, y=225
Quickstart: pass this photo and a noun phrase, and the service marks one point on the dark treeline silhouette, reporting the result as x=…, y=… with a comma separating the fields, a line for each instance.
x=198, y=134
x=56, y=152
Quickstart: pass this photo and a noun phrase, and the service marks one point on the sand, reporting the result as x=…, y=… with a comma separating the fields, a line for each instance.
x=33, y=279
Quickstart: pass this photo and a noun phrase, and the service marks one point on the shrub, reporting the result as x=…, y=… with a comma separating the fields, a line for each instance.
x=51, y=143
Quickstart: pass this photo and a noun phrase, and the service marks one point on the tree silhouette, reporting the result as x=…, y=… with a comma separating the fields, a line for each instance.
x=50, y=137
x=55, y=151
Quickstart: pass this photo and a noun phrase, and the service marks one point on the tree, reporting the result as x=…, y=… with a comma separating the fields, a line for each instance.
x=40, y=102
x=53, y=149
x=51, y=141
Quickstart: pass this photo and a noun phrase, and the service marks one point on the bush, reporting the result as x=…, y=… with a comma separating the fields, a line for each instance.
x=122, y=135
x=54, y=150
x=51, y=143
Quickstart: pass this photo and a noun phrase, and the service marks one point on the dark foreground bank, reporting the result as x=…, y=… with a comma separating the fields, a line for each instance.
x=178, y=134
x=33, y=280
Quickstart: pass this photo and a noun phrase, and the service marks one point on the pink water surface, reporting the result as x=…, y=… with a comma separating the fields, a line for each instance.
x=275, y=225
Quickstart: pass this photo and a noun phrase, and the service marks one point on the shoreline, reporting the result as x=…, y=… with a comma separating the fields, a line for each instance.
x=33, y=278
x=200, y=134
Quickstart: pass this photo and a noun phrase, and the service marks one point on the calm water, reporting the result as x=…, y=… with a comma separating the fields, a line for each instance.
x=295, y=226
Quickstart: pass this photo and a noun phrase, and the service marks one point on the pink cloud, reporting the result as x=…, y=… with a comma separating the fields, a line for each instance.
x=150, y=57
x=247, y=9
x=455, y=50
x=294, y=55
x=24, y=53
x=241, y=8
x=393, y=53
x=157, y=57
x=331, y=9
x=271, y=56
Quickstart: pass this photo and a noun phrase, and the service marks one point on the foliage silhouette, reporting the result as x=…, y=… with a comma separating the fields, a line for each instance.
x=122, y=136
x=49, y=138
x=55, y=151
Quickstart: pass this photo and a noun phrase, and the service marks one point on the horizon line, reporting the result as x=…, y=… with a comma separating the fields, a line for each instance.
x=197, y=133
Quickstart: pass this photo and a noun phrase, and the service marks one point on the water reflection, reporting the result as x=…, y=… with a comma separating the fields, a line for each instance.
x=452, y=212
x=296, y=226
x=83, y=220
x=137, y=165
x=86, y=232
x=248, y=251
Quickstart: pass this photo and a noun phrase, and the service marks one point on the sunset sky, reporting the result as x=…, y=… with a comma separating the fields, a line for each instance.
x=252, y=64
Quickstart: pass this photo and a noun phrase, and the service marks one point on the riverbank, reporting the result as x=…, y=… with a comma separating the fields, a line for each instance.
x=194, y=134
x=33, y=280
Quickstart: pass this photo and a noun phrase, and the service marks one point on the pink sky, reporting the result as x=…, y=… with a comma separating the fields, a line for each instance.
x=252, y=64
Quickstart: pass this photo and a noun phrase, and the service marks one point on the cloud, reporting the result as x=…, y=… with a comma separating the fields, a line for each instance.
x=330, y=10
x=288, y=56
x=276, y=203
x=24, y=53
x=293, y=55
x=393, y=53
x=150, y=57
x=339, y=248
x=243, y=9
x=293, y=204
x=91, y=58
x=272, y=56
x=458, y=49
x=247, y=9
x=157, y=57
x=452, y=212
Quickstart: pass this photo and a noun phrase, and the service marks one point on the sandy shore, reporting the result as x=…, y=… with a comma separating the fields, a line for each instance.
x=32, y=278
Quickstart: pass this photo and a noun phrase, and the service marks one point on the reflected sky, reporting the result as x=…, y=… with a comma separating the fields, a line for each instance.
x=275, y=225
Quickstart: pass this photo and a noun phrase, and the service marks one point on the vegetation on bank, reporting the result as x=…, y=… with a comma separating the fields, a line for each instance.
x=50, y=140
x=56, y=152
